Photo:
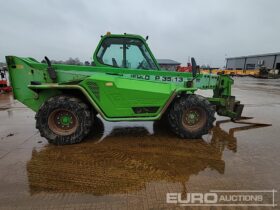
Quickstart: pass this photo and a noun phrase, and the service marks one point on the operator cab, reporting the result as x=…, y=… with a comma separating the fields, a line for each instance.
x=125, y=51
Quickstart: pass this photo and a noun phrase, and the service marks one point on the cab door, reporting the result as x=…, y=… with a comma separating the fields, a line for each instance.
x=128, y=96
x=125, y=52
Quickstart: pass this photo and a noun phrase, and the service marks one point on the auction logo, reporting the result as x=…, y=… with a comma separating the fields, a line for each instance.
x=224, y=198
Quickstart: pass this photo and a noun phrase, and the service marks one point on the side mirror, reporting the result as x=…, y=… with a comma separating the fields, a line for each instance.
x=194, y=67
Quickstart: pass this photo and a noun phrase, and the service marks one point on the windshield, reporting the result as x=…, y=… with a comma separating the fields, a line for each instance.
x=125, y=53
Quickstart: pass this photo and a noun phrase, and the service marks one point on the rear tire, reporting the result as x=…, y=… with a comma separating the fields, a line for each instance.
x=191, y=116
x=64, y=120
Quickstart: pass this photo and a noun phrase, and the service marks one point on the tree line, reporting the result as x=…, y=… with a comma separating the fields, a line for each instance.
x=69, y=61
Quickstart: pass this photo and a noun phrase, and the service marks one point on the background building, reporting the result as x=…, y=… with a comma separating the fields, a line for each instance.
x=270, y=61
x=168, y=64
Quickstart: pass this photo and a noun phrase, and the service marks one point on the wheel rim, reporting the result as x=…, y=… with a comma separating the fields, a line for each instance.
x=194, y=118
x=63, y=122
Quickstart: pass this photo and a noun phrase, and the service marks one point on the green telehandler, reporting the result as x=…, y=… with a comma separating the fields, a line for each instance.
x=124, y=84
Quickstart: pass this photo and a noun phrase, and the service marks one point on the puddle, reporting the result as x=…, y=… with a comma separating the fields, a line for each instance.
x=127, y=159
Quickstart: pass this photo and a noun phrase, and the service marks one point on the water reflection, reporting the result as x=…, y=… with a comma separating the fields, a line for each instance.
x=126, y=159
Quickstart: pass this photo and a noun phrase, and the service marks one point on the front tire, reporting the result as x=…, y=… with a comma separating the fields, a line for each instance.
x=191, y=116
x=64, y=120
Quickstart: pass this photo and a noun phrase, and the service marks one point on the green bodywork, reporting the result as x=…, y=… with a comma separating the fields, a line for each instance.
x=117, y=94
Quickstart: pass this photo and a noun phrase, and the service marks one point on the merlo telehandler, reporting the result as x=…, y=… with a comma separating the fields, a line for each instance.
x=124, y=84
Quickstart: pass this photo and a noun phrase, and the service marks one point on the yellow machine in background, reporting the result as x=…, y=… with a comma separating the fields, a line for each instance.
x=253, y=73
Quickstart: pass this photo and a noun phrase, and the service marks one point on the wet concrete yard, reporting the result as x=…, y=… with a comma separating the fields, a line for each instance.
x=133, y=165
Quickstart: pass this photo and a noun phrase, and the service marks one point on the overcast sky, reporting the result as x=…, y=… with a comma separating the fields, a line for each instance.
x=208, y=30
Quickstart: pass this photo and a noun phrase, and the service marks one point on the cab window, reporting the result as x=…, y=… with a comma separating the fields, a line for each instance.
x=125, y=53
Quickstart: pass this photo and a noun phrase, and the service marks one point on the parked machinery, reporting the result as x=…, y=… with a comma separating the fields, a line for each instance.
x=4, y=87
